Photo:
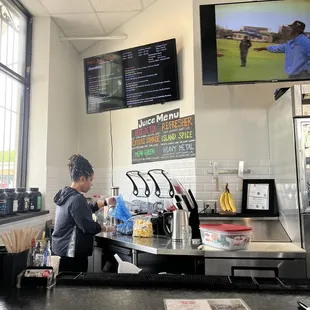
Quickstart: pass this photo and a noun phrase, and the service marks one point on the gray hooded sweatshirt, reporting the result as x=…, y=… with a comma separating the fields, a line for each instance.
x=74, y=229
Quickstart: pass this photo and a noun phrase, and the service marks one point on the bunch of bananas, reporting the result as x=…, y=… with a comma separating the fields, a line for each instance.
x=226, y=201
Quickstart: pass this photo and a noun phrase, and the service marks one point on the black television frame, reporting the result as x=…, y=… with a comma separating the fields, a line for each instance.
x=211, y=58
x=177, y=83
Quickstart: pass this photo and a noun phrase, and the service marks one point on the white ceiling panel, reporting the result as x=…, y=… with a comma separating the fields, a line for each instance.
x=67, y=6
x=79, y=24
x=147, y=3
x=111, y=21
x=35, y=7
x=116, y=5
x=79, y=18
x=83, y=45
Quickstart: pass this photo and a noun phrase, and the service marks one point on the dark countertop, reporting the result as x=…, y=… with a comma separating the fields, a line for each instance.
x=21, y=216
x=95, y=298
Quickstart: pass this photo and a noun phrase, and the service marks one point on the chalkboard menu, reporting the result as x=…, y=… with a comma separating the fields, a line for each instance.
x=137, y=76
x=162, y=137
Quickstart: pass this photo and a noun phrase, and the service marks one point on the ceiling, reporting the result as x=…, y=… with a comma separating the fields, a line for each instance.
x=87, y=18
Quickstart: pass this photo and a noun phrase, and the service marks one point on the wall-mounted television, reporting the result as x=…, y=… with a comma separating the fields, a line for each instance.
x=258, y=41
x=133, y=77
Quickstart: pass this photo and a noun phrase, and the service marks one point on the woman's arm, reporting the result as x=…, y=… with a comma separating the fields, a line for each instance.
x=95, y=206
x=83, y=217
x=109, y=201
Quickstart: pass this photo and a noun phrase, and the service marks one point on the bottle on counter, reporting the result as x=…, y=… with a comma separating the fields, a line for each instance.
x=30, y=261
x=11, y=201
x=3, y=205
x=47, y=254
x=22, y=200
x=38, y=255
x=35, y=199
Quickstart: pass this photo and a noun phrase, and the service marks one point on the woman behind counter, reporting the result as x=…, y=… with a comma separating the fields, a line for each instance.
x=75, y=229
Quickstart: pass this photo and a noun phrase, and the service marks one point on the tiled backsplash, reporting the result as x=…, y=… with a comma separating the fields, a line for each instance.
x=206, y=185
x=191, y=173
x=184, y=170
x=56, y=179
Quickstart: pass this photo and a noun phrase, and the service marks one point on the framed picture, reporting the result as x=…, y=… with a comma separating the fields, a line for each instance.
x=259, y=197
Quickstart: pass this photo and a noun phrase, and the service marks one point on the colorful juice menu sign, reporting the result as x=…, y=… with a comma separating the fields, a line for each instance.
x=164, y=136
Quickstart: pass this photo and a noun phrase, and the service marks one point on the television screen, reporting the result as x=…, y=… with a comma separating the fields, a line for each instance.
x=133, y=77
x=264, y=41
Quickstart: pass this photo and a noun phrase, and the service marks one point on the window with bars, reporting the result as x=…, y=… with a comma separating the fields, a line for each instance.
x=15, y=56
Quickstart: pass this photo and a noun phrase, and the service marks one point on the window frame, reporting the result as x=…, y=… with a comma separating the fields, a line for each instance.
x=22, y=156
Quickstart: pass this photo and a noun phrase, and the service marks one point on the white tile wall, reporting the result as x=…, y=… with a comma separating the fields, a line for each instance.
x=184, y=170
x=191, y=173
x=102, y=182
x=57, y=178
x=206, y=185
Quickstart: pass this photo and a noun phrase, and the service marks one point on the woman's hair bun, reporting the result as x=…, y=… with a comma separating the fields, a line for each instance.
x=79, y=166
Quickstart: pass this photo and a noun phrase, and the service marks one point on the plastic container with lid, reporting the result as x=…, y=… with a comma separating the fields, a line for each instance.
x=35, y=199
x=3, y=206
x=22, y=200
x=11, y=201
x=226, y=236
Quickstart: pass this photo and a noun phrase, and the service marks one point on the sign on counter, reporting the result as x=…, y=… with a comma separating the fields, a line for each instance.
x=205, y=304
x=164, y=136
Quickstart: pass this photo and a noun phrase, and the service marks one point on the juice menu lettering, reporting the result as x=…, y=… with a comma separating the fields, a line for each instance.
x=164, y=140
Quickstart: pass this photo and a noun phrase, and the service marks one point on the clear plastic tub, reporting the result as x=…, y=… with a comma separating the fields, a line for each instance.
x=226, y=236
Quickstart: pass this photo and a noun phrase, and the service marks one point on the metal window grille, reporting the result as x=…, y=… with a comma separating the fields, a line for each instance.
x=15, y=57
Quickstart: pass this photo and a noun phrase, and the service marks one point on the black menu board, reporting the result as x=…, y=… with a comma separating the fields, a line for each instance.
x=163, y=139
x=137, y=76
x=104, y=82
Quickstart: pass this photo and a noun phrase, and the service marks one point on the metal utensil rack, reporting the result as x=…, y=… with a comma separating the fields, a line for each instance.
x=240, y=171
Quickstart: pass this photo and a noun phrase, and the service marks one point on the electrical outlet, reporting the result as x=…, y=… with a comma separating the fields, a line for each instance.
x=209, y=205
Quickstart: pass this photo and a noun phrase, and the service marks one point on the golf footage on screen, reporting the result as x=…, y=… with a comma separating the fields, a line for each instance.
x=255, y=41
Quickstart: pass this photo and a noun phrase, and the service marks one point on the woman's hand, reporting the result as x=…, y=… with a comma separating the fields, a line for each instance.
x=100, y=204
x=111, y=201
x=108, y=228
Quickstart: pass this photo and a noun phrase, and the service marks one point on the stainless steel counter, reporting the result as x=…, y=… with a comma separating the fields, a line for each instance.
x=155, y=245
x=274, y=250
x=165, y=246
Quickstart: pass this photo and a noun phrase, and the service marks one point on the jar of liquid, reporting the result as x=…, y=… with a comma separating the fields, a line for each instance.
x=3, y=207
x=22, y=200
x=11, y=201
x=35, y=199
